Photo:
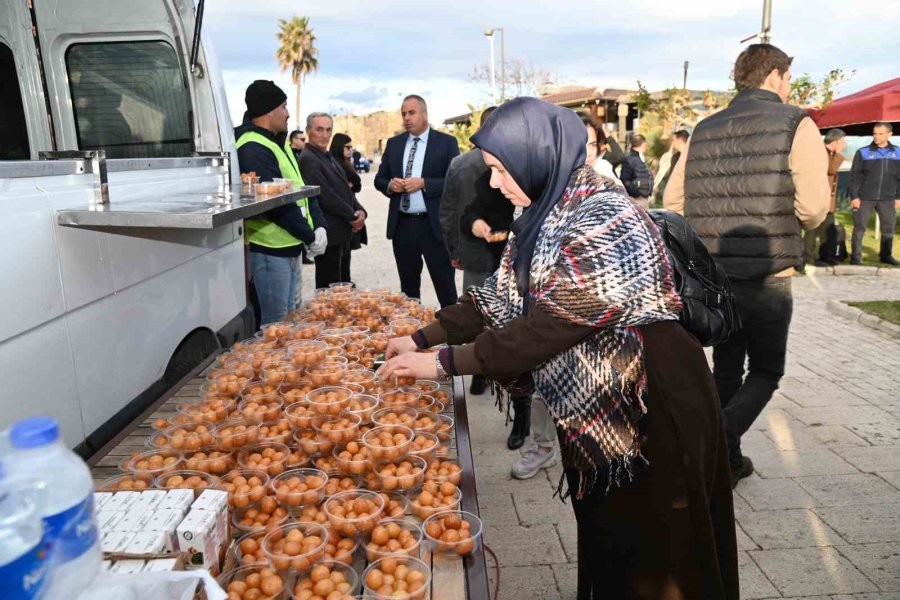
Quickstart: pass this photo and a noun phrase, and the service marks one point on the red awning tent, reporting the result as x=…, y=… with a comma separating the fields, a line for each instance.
x=856, y=113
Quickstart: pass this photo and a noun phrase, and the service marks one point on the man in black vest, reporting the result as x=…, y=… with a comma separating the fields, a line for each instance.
x=751, y=177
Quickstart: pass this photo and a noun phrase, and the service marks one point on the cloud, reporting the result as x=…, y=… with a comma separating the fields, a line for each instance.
x=371, y=52
x=367, y=97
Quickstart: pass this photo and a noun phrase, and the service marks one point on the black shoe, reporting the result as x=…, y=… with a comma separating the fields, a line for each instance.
x=745, y=469
x=820, y=263
x=855, y=261
x=521, y=423
x=886, y=253
x=477, y=387
x=308, y=261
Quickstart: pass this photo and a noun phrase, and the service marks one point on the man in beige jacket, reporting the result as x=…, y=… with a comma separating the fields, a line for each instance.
x=752, y=177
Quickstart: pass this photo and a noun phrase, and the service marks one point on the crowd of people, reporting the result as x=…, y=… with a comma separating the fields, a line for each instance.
x=537, y=216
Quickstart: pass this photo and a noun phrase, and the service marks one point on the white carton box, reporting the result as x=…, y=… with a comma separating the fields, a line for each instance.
x=197, y=539
x=107, y=518
x=160, y=565
x=166, y=522
x=128, y=566
x=121, y=500
x=148, y=500
x=115, y=522
x=177, y=500
x=216, y=502
x=101, y=498
x=131, y=521
x=116, y=541
x=147, y=542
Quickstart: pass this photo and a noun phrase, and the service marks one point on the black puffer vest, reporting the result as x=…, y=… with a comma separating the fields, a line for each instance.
x=738, y=190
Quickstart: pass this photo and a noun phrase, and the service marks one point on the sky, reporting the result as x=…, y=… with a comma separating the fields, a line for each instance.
x=372, y=53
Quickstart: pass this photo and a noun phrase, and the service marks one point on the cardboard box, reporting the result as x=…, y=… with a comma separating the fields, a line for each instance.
x=132, y=520
x=198, y=540
x=177, y=500
x=216, y=502
x=148, y=500
x=106, y=519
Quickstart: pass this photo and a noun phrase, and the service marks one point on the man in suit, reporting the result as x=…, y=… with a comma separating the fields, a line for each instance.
x=412, y=174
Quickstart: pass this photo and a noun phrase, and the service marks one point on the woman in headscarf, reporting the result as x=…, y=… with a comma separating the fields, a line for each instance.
x=341, y=149
x=583, y=309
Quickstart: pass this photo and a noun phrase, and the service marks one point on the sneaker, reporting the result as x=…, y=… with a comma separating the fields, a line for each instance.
x=745, y=469
x=533, y=461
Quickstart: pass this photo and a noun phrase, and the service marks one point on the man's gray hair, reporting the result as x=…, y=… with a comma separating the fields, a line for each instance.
x=316, y=115
x=418, y=99
x=834, y=135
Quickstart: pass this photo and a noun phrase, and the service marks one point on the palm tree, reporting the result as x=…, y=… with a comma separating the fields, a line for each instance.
x=297, y=51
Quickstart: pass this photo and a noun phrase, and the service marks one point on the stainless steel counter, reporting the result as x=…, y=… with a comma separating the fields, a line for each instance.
x=198, y=210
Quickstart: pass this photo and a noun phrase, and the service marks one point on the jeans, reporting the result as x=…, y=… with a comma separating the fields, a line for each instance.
x=276, y=279
x=887, y=215
x=765, y=308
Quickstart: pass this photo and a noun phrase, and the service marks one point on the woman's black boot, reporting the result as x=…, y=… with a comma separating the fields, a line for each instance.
x=521, y=422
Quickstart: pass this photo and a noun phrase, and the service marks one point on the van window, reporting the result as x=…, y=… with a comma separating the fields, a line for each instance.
x=13, y=132
x=130, y=99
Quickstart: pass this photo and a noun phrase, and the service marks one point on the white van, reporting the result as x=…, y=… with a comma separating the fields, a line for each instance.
x=118, y=275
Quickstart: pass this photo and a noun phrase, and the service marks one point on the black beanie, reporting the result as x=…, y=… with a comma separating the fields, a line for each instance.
x=262, y=97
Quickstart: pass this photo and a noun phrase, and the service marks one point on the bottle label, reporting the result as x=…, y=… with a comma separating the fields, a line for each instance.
x=24, y=578
x=72, y=532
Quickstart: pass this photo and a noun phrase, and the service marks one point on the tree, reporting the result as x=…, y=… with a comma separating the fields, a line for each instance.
x=521, y=79
x=463, y=131
x=807, y=93
x=677, y=108
x=297, y=51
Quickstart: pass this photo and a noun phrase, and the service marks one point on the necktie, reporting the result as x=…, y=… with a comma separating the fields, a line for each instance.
x=404, y=198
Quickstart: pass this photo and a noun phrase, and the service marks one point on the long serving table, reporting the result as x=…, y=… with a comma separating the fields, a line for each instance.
x=453, y=578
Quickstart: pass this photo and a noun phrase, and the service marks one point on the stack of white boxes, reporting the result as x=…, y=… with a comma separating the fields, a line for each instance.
x=154, y=522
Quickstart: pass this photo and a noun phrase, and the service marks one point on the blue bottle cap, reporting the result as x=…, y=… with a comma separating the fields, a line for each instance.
x=34, y=432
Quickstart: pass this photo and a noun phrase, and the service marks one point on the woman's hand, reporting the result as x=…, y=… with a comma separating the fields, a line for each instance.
x=399, y=346
x=481, y=229
x=420, y=365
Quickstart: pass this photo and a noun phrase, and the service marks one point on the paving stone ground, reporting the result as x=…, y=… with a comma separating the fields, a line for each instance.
x=820, y=519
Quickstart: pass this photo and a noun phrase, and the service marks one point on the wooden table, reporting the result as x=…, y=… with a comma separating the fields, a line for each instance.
x=453, y=578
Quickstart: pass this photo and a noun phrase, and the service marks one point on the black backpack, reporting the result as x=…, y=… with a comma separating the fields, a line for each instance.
x=709, y=311
x=834, y=248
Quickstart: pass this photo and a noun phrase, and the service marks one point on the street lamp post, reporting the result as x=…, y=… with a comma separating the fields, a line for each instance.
x=490, y=35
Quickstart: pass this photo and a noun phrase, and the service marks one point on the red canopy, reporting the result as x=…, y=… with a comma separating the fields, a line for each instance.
x=877, y=103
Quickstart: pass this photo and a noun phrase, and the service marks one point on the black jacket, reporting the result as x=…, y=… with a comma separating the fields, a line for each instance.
x=439, y=151
x=875, y=174
x=257, y=158
x=337, y=200
x=636, y=175
x=468, y=196
x=738, y=189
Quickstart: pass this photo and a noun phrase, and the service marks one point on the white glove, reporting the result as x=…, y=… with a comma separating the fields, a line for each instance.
x=317, y=248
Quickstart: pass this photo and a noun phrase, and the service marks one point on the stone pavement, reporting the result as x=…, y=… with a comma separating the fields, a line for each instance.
x=820, y=519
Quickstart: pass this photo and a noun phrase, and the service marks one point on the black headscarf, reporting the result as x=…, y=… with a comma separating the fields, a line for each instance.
x=540, y=145
x=336, y=149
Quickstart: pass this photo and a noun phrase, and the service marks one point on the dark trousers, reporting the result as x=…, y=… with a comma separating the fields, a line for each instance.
x=765, y=307
x=887, y=215
x=414, y=239
x=813, y=238
x=333, y=266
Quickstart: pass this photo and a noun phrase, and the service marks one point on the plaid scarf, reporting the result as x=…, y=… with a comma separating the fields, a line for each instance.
x=600, y=262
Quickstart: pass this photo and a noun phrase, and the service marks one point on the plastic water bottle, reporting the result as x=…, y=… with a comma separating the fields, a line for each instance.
x=64, y=495
x=23, y=561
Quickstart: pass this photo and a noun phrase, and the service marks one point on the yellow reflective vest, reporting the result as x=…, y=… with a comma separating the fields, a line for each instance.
x=263, y=232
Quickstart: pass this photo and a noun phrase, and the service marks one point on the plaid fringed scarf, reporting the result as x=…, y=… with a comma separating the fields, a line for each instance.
x=599, y=261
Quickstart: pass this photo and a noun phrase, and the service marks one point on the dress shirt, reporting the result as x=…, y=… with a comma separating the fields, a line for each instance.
x=416, y=199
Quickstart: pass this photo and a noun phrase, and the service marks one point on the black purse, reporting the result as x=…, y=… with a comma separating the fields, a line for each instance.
x=709, y=311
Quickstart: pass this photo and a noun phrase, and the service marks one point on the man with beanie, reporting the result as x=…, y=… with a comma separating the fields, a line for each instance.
x=750, y=179
x=276, y=238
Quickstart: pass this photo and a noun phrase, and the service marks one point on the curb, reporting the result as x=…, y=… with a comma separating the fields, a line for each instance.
x=854, y=270
x=851, y=313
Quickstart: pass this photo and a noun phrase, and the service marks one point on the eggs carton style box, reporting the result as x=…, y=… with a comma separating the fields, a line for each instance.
x=198, y=540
